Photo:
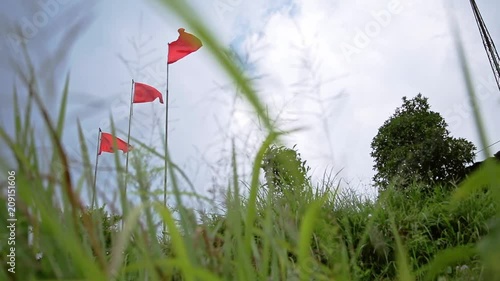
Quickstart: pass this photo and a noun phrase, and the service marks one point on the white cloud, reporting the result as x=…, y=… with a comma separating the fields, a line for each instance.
x=408, y=52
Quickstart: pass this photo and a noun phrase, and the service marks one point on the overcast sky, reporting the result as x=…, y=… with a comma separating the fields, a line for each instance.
x=338, y=69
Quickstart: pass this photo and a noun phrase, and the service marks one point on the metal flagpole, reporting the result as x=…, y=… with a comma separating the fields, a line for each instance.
x=166, y=151
x=126, y=162
x=128, y=137
x=96, y=162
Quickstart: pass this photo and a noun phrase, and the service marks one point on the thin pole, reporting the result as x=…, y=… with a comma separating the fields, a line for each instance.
x=128, y=137
x=166, y=153
x=126, y=162
x=95, y=171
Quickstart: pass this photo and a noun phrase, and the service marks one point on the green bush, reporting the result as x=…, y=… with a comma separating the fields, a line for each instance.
x=283, y=167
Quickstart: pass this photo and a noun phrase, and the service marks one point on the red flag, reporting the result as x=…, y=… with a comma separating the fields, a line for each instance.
x=145, y=93
x=107, y=144
x=183, y=46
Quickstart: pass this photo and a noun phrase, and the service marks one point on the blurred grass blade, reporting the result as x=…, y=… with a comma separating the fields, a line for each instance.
x=403, y=265
x=177, y=242
x=87, y=167
x=254, y=186
x=17, y=116
x=446, y=258
x=305, y=235
x=478, y=180
x=62, y=110
x=123, y=239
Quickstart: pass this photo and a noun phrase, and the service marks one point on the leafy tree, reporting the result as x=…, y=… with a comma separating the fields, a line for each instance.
x=283, y=167
x=414, y=145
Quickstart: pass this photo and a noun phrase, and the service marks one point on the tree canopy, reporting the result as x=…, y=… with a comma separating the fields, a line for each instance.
x=414, y=145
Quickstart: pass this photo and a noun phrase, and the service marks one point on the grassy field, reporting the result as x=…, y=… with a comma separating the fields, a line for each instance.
x=309, y=231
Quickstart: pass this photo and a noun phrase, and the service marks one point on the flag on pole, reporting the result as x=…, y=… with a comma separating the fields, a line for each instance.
x=184, y=45
x=107, y=144
x=146, y=93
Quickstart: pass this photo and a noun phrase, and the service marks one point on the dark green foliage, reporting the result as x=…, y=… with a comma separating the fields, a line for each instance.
x=283, y=167
x=106, y=225
x=426, y=224
x=414, y=145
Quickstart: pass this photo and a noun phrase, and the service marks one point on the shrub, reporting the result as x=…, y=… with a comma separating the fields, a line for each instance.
x=283, y=167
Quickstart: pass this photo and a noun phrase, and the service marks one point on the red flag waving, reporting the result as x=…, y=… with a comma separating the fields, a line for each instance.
x=107, y=144
x=145, y=93
x=184, y=45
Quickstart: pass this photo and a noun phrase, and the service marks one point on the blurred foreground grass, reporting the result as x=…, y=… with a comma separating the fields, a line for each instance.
x=291, y=232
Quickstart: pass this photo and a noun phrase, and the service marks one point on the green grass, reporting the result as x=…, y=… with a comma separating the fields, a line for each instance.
x=300, y=233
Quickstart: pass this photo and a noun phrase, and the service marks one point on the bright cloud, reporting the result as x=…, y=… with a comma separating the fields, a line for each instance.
x=372, y=52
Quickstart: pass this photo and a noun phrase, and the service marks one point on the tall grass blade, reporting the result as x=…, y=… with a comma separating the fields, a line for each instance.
x=403, y=266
